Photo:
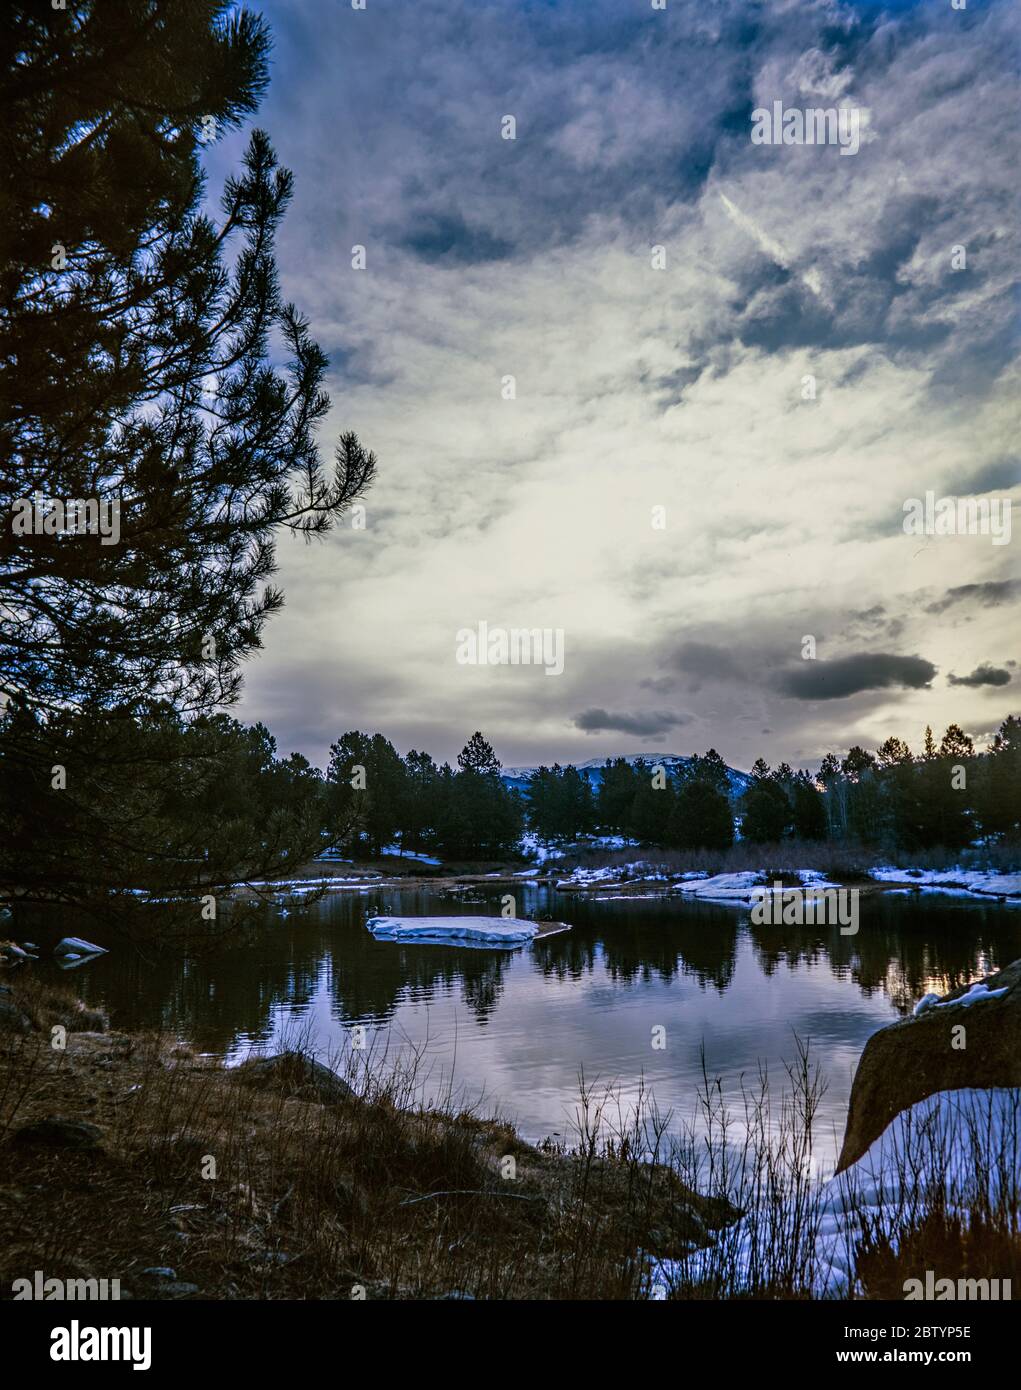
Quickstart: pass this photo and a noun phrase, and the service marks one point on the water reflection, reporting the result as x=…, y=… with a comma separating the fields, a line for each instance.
x=520, y=1025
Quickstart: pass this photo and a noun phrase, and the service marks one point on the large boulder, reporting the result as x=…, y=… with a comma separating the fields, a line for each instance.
x=918, y=1056
x=295, y=1075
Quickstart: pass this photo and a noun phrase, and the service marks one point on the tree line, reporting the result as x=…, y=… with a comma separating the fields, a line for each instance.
x=946, y=796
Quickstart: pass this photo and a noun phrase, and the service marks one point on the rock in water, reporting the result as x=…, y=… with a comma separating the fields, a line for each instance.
x=10, y=950
x=295, y=1075
x=55, y=1132
x=76, y=946
x=916, y=1057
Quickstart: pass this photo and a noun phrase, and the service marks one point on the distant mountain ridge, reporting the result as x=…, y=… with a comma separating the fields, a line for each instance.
x=592, y=768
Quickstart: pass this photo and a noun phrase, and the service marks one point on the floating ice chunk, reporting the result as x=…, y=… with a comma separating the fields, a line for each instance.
x=477, y=931
x=77, y=946
x=739, y=887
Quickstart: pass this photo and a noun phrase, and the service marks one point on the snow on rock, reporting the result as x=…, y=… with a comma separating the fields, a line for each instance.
x=975, y=995
x=740, y=887
x=77, y=946
x=964, y=1142
x=636, y=871
x=468, y=931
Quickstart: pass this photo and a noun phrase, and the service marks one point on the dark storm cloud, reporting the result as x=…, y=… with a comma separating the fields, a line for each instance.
x=985, y=674
x=849, y=675
x=988, y=595
x=651, y=724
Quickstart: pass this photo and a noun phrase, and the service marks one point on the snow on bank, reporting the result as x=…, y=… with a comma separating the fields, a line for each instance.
x=636, y=871
x=742, y=888
x=956, y=1150
x=460, y=931
x=396, y=852
x=979, y=991
x=981, y=882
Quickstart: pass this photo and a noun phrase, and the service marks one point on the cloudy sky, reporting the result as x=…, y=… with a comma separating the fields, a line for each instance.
x=663, y=487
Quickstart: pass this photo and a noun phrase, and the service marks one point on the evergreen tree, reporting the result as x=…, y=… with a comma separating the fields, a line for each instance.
x=477, y=755
x=766, y=812
x=616, y=795
x=808, y=809
x=574, y=804
x=418, y=808
x=648, y=819
x=701, y=818
x=709, y=768
x=368, y=781
x=955, y=743
x=998, y=793
x=541, y=807
x=135, y=375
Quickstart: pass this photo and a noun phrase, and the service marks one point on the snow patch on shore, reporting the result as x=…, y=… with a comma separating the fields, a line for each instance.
x=981, y=882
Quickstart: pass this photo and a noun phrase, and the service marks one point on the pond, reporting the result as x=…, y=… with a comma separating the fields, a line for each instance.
x=518, y=1027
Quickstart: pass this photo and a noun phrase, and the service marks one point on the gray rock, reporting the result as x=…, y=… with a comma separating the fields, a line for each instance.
x=913, y=1059
x=159, y=1272
x=77, y=946
x=296, y=1075
x=58, y=1133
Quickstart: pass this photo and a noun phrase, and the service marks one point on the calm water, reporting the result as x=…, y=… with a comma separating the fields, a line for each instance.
x=519, y=1026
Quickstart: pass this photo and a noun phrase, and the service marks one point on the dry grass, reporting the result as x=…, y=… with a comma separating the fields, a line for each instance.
x=381, y=1194
x=253, y=1193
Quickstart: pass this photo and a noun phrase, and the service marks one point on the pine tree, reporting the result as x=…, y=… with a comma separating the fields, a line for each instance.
x=616, y=795
x=766, y=812
x=998, y=794
x=701, y=818
x=477, y=755
x=135, y=375
x=649, y=815
x=808, y=809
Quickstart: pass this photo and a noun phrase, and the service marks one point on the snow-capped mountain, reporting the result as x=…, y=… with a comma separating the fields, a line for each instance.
x=592, y=768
